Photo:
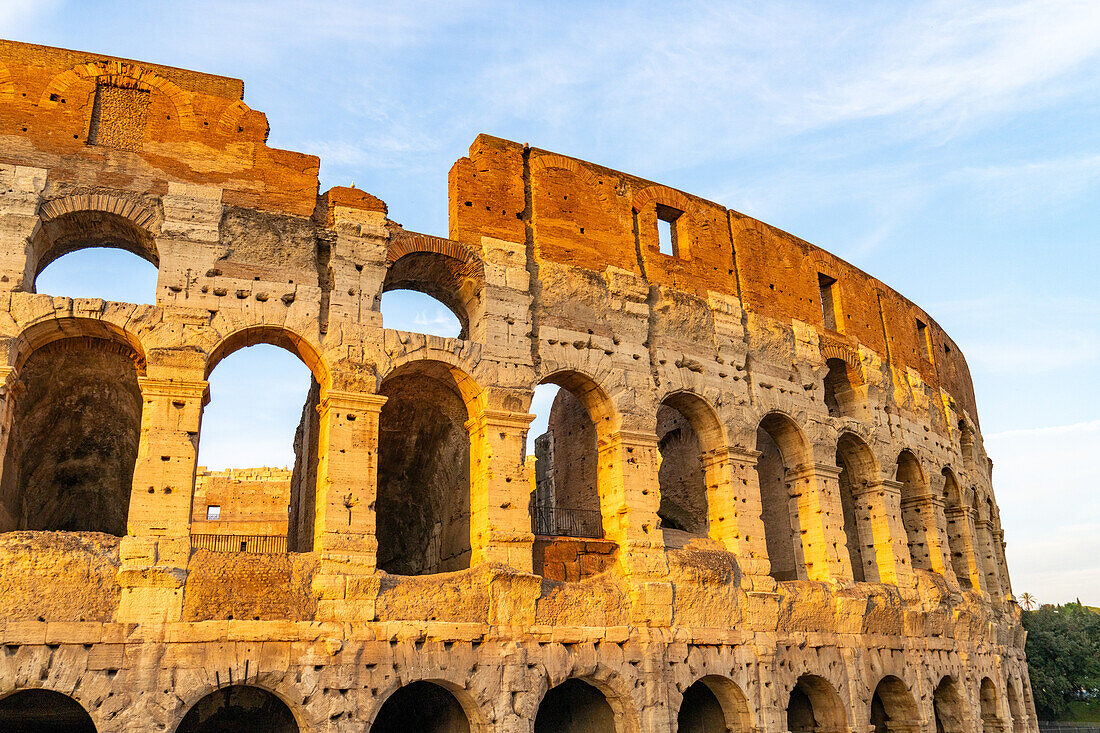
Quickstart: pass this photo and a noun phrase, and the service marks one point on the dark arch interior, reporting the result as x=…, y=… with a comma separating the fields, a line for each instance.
x=239, y=708
x=991, y=717
x=778, y=444
x=852, y=459
x=956, y=529
x=840, y=395
x=947, y=707
x=893, y=709
x=74, y=439
x=43, y=711
x=421, y=707
x=423, y=511
x=700, y=712
x=814, y=706
x=682, y=478
x=574, y=706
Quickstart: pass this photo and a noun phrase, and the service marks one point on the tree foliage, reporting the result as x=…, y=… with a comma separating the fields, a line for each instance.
x=1063, y=655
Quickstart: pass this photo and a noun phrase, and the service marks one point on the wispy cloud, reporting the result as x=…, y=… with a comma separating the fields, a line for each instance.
x=1080, y=427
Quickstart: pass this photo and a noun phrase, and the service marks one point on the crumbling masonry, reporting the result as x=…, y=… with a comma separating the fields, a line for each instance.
x=763, y=503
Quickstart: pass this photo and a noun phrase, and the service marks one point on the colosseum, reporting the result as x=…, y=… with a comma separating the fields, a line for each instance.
x=762, y=503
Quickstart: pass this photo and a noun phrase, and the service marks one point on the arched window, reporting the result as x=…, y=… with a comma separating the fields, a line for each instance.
x=991, y=715
x=43, y=711
x=74, y=436
x=686, y=429
x=423, y=508
x=442, y=270
x=782, y=448
x=913, y=497
x=255, y=483
x=421, y=707
x=1019, y=718
x=948, y=708
x=239, y=707
x=813, y=706
x=714, y=704
x=857, y=465
x=574, y=706
x=893, y=709
x=93, y=254
x=841, y=398
x=957, y=529
x=409, y=310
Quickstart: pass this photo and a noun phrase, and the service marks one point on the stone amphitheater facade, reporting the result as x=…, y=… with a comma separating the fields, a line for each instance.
x=768, y=463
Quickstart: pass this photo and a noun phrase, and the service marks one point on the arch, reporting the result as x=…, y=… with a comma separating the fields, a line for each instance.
x=424, y=469
x=1015, y=709
x=858, y=470
x=583, y=706
x=75, y=425
x=687, y=430
x=990, y=707
x=840, y=382
x=782, y=447
x=893, y=709
x=441, y=268
x=550, y=161
x=913, y=498
x=239, y=707
x=38, y=710
x=714, y=703
x=179, y=98
x=958, y=530
x=815, y=707
x=947, y=707
x=426, y=706
x=280, y=336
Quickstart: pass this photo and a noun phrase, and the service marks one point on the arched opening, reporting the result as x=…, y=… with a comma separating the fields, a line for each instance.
x=409, y=310
x=88, y=248
x=948, y=708
x=575, y=706
x=1015, y=709
x=455, y=283
x=257, y=454
x=423, y=507
x=841, y=398
x=781, y=448
x=421, y=707
x=43, y=711
x=713, y=705
x=814, y=706
x=76, y=421
x=957, y=529
x=687, y=429
x=573, y=417
x=983, y=529
x=912, y=482
x=991, y=716
x=239, y=708
x=893, y=709
x=857, y=471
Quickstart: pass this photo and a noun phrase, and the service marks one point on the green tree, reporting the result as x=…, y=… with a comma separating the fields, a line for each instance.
x=1063, y=655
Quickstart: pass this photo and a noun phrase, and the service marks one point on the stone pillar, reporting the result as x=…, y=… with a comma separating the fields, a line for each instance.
x=815, y=496
x=960, y=525
x=500, y=490
x=926, y=543
x=988, y=561
x=158, y=543
x=10, y=387
x=1002, y=562
x=880, y=501
x=742, y=493
x=344, y=512
x=19, y=221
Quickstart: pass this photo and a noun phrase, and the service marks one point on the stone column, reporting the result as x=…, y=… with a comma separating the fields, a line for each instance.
x=1002, y=562
x=19, y=221
x=880, y=501
x=960, y=525
x=10, y=387
x=984, y=531
x=500, y=490
x=747, y=539
x=158, y=543
x=815, y=496
x=926, y=547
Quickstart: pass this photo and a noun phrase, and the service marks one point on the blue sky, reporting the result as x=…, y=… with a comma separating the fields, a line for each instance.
x=951, y=149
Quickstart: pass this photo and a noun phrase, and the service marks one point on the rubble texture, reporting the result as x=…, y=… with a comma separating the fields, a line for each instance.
x=763, y=503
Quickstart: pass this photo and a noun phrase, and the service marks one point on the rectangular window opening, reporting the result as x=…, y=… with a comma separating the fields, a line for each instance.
x=830, y=303
x=667, y=225
x=925, y=337
x=213, y=512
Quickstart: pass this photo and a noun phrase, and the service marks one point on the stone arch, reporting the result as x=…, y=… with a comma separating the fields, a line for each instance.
x=714, y=703
x=1015, y=708
x=958, y=529
x=947, y=707
x=585, y=705
x=274, y=335
x=427, y=706
x=550, y=161
x=914, y=497
x=841, y=384
x=38, y=710
x=88, y=221
x=990, y=706
x=425, y=461
x=782, y=447
x=814, y=706
x=893, y=709
x=443, y=269
x=859, y=470
x=179, y=98
x=240, y=707
x=657, y=202
x=75, y=423
x=690, y=438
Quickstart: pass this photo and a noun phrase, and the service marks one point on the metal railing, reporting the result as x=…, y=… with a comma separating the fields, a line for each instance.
x=1067, y=726
x=557, y=521
x=258, y=543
